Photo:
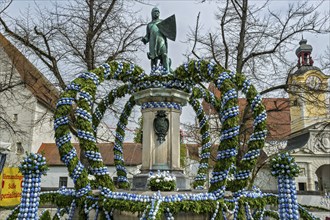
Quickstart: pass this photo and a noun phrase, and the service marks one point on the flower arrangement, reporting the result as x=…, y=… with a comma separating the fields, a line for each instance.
x=162, y=181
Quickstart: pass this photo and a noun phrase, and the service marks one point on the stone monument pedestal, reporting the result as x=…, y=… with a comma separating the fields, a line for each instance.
x=161, y=151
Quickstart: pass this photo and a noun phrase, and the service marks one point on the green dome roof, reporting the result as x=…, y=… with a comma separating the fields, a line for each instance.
x=304, y=47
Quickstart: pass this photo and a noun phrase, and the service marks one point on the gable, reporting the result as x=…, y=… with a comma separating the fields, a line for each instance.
x=34, y=80
x=314, y=139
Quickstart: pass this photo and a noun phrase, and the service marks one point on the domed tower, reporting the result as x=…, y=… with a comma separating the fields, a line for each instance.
x=303, y=53
x=309, y=87
x=309, y=141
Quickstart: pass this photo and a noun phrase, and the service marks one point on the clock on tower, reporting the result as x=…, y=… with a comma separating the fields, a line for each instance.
x=313, y=82
x=307, y=91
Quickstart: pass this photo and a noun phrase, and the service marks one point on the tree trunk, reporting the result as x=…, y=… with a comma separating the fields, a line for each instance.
x=241, y=44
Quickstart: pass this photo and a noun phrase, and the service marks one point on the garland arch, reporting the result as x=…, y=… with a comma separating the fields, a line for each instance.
x=82, y=91
x=79, y=97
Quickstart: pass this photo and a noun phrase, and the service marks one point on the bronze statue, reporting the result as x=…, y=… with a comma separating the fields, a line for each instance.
x=157, y=33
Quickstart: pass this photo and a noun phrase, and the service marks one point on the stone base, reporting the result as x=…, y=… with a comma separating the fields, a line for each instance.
x=182, y=181
x=179, y=216
x=140, y=181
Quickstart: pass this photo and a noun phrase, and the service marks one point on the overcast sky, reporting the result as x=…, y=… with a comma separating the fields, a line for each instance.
x=186, y=12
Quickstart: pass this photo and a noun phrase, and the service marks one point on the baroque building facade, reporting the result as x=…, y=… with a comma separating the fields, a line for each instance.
x=309, y=141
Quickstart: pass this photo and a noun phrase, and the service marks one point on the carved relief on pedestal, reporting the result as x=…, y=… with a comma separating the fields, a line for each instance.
x=161, y=125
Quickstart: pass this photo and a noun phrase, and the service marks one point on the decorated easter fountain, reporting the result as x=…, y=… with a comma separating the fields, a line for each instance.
x=241, y=203
x=161, y=95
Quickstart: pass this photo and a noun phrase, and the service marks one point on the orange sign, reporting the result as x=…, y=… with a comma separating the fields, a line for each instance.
x=11, y=186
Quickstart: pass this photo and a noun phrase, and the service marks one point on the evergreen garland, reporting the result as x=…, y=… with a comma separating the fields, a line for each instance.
x=229, y=84
x=118, y=146
x=189, y=78
x=197, y=93
x=203, y=167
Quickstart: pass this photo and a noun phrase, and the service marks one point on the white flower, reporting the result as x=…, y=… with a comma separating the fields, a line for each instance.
x=231, y=177
x=91, y=177
x=157, y=180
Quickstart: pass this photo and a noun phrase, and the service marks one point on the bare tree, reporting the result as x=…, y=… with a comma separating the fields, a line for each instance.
x=77, y=34
x=325, y=60
x=255, y=39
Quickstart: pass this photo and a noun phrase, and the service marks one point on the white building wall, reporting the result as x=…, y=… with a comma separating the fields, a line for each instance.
x=32, y=122
x=17, y=107
x=53, y=176
x=55, y=172
x=42, y=127
x=302, y=178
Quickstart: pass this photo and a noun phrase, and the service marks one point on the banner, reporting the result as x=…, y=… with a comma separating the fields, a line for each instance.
x=11, y=186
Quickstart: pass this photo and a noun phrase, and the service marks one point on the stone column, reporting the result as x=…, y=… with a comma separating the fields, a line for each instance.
x=310, y=177
x=174, y=133
x=160, y=155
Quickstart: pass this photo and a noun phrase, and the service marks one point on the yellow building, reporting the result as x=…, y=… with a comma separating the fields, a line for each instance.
x=309, y=141
x=308, y=92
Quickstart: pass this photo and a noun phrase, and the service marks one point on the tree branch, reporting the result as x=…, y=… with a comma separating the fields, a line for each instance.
x=283, y=86
x=8, y=4
x=212, y=50
x=41, y=54
x=8, y=124
x=196, y=36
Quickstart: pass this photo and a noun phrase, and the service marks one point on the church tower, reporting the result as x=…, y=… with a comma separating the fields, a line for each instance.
x=308, y=91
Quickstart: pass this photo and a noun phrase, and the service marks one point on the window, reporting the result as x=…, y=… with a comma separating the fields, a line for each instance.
x=63, y=181
x=302, y=186
x=19, y=148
